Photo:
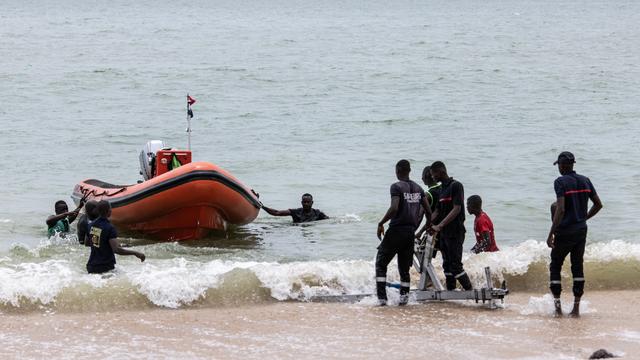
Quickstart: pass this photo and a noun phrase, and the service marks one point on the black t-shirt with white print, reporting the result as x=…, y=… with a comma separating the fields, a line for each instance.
x=410, y=209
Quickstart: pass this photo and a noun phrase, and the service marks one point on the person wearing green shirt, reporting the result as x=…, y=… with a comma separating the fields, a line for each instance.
x=433, y=188
x=433, y=196
x=59, y=223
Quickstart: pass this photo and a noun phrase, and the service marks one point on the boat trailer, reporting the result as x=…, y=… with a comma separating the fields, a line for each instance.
x=429, y=286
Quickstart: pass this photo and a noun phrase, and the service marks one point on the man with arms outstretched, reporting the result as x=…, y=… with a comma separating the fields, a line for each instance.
x=304, y=214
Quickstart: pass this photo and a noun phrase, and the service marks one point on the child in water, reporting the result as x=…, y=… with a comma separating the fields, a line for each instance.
x=59, y=223
x=103, y=239
x=482, y=226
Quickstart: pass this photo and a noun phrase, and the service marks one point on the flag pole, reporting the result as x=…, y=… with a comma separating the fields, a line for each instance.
x=188, y=123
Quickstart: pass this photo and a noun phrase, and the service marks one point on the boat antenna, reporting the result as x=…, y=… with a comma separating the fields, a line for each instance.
x=190, y=101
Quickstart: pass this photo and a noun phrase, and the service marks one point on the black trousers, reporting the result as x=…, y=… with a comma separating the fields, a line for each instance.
x=396, y=241
x=568, y=243
x=99, y=269
x=451, y=249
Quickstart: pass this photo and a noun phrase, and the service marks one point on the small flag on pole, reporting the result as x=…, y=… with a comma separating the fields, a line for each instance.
x=190, y=101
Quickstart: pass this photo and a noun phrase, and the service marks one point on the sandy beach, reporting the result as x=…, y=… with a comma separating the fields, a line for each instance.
x=523, y=329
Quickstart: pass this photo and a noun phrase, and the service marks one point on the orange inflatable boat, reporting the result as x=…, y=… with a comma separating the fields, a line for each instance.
x=178, y=200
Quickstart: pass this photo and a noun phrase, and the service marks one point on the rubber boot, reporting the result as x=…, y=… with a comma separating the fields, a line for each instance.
x=381, y=290
x=404, y=296
x=465, y=282
x=451, y=282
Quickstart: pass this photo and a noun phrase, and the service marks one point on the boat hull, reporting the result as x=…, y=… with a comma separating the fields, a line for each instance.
x=184, y=204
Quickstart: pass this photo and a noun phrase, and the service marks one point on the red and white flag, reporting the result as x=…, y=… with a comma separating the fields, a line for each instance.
x=190, y=100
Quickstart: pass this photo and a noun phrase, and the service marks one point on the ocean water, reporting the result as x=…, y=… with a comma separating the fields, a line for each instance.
x=318, y=97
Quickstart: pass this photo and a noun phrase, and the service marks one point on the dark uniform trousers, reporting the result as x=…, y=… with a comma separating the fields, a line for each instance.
x=451, y=249
x=568, y=242
x=397, y=240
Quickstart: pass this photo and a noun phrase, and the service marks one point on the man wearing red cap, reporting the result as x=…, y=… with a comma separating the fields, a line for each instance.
x=568, y=232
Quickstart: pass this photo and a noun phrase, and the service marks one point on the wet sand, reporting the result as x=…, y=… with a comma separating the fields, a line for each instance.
x=523, y=329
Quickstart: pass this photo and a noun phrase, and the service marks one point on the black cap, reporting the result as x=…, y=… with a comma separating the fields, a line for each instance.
x=565, y=157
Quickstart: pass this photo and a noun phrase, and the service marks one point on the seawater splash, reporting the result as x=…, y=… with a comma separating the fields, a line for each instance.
x=30, y=279
x=348, y=218
x=176, y=282
x=543, y=305
x=39, y=283
x=611, y=265
x=179, y=282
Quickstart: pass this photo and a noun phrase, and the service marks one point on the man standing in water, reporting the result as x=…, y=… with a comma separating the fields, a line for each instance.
x=304, y=214
x=482, y=227
x=450, y=229
x=103, y=239
x=407, y=204
x=568, y=232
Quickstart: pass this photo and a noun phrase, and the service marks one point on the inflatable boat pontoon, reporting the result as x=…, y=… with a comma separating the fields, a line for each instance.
x=179, y=200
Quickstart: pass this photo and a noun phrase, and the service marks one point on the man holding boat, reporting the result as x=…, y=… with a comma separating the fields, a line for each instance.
x=59, y=223
x=304, y=214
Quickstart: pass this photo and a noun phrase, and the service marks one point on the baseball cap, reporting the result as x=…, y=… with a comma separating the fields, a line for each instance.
x=565, y=157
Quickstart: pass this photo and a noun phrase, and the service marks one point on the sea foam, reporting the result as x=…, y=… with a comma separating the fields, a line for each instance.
x=179, y=282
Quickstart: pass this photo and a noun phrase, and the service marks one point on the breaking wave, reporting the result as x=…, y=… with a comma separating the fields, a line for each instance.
x=30, y=281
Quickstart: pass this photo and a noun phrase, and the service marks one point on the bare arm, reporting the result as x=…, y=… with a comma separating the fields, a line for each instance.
x=597, y=206
x=391, y=212
x=71, y=215
x=427, y=212
x=74, y=214
x=484, y=244
x=275, y=212
x=450, y=216
x=557, y=218
x=434, y=215
x=115, y=246
x=53, y=219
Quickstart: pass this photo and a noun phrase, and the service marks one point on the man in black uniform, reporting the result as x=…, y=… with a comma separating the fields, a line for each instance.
x=568, y=232
x=408, y=203
x=304, y=214
x=103, y=239
x=450, y=229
